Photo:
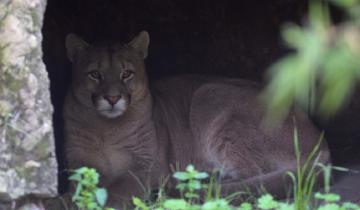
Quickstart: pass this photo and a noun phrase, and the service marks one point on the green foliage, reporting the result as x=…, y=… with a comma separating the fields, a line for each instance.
x=267, y=202
x=245, y=206
x=323, y=68
x=87, y=195
x=327, y=200
x=190, y=182
x=191, y=185
x=306, y=174
x=176, y=204
x=328, y=197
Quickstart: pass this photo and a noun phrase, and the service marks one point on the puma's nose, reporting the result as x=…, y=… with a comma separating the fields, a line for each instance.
x=112, y=99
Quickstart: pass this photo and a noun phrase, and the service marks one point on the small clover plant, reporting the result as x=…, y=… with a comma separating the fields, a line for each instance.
x=87, y=195
x=190, y=182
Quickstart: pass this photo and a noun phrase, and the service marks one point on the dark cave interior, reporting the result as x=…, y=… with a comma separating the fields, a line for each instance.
x=228, y=38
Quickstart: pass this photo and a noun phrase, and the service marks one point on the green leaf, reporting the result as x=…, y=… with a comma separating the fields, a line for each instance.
x=77, y=192
x=139, y=203
x=91, y=205
x=329, y=197
x=280, y=92
x=101, y=196
x=318, y=15
x=181, y=186
x=202, y=175
x=81, y=170
x=267, y=202
x=194, y=185
x=176, y=204
x=75, y=177
x=346, y=3
x=181, y=176
x=286, y=206
x=329, y=206
x=349, y=205
x=293, y=36
x=190, y=195
x=338, y=79
x=220, y=204
x=190, y=168
x=245, y=206
x=80, y=205
x=338, y=168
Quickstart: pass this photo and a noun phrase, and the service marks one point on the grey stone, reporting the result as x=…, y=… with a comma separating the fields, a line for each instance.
x=27, y=157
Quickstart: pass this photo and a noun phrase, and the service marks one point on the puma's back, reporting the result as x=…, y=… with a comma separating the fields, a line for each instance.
x=217, y=122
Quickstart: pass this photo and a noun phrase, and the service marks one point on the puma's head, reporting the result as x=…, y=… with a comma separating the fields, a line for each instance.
x=108, y=78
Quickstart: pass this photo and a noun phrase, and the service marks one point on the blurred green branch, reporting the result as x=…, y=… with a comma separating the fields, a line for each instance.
x=323, y=69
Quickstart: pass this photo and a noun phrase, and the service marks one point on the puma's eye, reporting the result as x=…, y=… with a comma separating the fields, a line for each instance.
x=126, y=74
x=94, y=75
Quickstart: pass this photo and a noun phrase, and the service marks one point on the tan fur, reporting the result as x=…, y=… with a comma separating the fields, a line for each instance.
x=206, y=121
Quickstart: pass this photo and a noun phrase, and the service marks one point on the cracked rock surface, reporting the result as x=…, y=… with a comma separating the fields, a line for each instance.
x=27, y=157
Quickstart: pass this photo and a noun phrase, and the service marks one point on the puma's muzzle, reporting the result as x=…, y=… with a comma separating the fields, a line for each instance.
x=111, y=106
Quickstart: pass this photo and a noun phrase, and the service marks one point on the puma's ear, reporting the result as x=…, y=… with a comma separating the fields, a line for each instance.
x=74, y=44
x=141, y=43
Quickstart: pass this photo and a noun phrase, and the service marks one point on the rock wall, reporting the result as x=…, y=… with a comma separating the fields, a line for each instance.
x=27, y=157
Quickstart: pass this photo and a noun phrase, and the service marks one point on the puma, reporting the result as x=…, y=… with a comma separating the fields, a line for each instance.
x=134, y=133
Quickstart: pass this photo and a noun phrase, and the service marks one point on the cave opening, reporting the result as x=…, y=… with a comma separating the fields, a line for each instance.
x=228, y=38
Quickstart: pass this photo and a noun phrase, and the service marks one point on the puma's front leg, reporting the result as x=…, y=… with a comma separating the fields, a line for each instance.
x=109, y=164
x=125, y=187
x=81, y=157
